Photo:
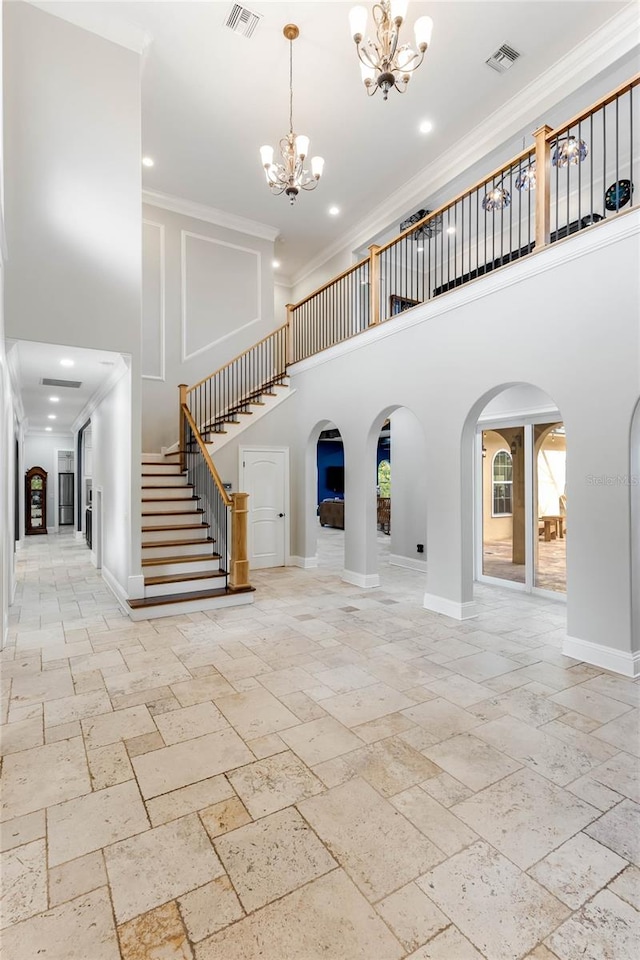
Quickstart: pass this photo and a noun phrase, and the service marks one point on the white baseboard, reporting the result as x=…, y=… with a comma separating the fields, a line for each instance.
x=411, y=563
x=457, y=611
x=135, y=586
x=305, y=563
x=624, y=662
x=116, y=589
x=365, y=580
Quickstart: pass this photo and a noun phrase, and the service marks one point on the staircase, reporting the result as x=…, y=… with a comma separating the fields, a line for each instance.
x=182, y=571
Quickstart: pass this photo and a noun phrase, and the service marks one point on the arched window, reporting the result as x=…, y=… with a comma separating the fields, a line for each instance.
x=502, y=484
x=384, y=479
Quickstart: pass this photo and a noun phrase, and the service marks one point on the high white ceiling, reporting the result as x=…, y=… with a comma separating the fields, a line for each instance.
x=211, y=98
x=31, y=362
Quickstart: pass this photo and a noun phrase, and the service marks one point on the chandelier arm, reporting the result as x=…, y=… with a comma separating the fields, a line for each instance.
x=309, y=184
x=364, y=57
x=411, y=66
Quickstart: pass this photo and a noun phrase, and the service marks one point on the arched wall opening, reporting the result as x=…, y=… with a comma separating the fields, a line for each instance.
x=517, y=462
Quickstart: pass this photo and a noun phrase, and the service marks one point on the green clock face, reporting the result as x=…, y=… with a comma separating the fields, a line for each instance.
x=618, y=195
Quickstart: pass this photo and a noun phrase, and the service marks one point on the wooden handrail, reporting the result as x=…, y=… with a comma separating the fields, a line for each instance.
x=527, y=152
x=330, y=283
x=228, y=502
x=235, y=359
x=598, y=105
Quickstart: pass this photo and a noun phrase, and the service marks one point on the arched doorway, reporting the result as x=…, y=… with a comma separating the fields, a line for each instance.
x=521, y=500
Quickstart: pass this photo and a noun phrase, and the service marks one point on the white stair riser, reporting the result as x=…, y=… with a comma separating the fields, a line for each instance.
x=163, y=480
x=167, y=493
x=161, y=469
x=169, y=506
x=184, y=586
x=206, y=565
x=203, y=549
x=171, y=519
x=191, y=606
x=152, y=536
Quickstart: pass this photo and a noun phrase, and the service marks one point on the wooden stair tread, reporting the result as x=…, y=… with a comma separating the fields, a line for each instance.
x=172, y=526
x=152, y=561
x=177, y=543
x=165, y=486
x=186, y=597
x=184, y=577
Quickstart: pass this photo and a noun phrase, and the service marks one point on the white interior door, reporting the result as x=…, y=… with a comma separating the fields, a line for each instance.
x=263, y=475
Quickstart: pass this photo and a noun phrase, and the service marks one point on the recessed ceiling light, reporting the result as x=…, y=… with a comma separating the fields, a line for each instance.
x=51, y=416
x=451, y=229
x=48, y=429
x=54, y=399
x=275, y=264
x=334, y=211
x=66, y=363
x=426, y=126
x=148, y=162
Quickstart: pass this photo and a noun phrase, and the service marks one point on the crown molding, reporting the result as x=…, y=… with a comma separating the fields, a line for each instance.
x=201, y=211
x=600, y=50
x=94, y=19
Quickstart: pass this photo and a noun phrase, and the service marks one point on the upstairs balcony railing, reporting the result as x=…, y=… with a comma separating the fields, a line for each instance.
x=572, y=178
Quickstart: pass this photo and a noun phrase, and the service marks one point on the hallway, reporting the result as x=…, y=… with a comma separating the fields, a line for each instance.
x=328, y=774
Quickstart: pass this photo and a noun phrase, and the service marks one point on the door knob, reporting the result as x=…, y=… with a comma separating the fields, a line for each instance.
x=281, y=514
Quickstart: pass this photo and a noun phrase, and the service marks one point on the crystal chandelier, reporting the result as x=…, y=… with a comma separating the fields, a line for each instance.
x=383, y=63
x=290, y=177
x=569, y=151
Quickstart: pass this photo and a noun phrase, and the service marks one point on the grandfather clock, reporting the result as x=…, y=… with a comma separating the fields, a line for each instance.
x=35, y=501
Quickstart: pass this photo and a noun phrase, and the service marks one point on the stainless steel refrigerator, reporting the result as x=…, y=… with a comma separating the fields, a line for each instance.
x=65, y=501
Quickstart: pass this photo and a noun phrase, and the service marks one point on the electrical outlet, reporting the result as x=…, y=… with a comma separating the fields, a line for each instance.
x=420, y=547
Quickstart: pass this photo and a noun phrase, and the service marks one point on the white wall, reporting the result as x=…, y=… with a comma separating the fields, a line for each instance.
x=41, y=450
x=408, y=488
x=440, y=361
x=207, y=296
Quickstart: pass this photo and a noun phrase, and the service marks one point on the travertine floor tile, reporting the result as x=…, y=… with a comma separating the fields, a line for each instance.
x=446, y=790
x=183, y=763
x=623, y=733
x=498, y=908
x=590, y=703
x=412, y=916
x=448, y=945
x=525, y=816
x=157, y=934
x=72, y=879
x=21, y=830
x=370, y=839
x=22, y=735
x=605, y=927
x=76, y=707
x=224, y=816
x=210, y=908
x=23, y=883
x=189, y=722
x=577, y=870
x=109, y=765
x=366, y=704
x=274, y=783
x=256, y=713
x=389, y=765
x=326, y=918
x=160, y=865
x=443, y=828
x=320, y=740
x=59, y=770
x=441, y=719
x=471, y=761
x=197, y=796
x=89, y=823
x=201, y=689
x=272, y=857
x=121, y=725
x=627, y=886
x=619, y=829
x=76, y=930
x=36, y=687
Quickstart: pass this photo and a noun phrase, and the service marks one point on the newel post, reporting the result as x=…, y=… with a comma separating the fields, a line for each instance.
x=183, y=400
x=239, y=563
x=543, y=186
x=374, y=284
x=290, y=307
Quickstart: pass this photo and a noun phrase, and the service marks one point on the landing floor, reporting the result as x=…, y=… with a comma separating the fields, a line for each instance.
x=328, y=774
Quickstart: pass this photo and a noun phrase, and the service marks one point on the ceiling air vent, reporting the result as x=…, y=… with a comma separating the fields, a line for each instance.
x=242, y=21
x=504, y=57
x=48, y=382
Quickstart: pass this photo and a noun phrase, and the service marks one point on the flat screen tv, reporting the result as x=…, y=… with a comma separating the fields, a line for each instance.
x=335, y=479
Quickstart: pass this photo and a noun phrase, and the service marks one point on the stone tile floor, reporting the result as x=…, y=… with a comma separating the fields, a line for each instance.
x=329, y=773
